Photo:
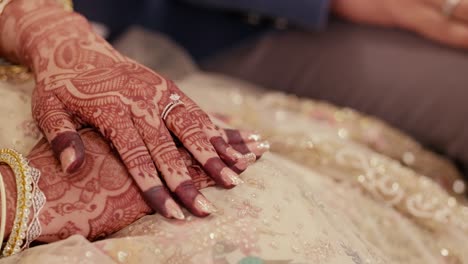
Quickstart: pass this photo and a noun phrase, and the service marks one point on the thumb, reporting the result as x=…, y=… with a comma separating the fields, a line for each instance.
x=59, y=128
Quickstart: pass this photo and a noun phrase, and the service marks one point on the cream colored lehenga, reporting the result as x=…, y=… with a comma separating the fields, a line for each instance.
x=338, y=187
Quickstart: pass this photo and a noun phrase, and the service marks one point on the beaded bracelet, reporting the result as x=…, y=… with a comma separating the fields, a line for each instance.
x=28, y=195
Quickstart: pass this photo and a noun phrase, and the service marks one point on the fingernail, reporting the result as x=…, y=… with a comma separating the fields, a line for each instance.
x=202, y=204
x=234, y=153
x=264, y=146
x=67, y=157
x=174, y=210
x=241, y=161
x=251, y=158
x=255, y=137
x=231, y=177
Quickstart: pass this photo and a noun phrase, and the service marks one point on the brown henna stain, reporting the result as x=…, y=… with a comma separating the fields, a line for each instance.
x=156, y=198
x=242, y=148
x=233, y=136
x=199, y=177
x=186, y=192
x=213, y=167
x=68, y=139
x=221, y=148
x=237, y=142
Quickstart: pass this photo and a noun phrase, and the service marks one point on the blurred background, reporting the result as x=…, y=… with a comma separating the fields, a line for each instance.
x=199, y=29
x=398, y=65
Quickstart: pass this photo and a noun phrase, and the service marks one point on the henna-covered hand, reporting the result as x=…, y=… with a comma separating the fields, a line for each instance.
x=101, y=198
x=81, y=80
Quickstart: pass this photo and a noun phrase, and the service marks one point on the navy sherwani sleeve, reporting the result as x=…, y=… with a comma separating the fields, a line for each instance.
x=312, y=14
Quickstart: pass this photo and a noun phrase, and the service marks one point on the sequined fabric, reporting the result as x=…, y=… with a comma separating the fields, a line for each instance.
x=320, y=197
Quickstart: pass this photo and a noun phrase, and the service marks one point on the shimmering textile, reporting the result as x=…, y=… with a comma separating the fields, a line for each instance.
x=321, y=197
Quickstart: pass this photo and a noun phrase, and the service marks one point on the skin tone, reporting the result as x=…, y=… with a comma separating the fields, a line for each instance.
x=101, y=198
x=82, y=81
x=424, y=17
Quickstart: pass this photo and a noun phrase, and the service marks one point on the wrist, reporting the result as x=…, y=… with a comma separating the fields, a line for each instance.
x=31, y=28
x=37, y=44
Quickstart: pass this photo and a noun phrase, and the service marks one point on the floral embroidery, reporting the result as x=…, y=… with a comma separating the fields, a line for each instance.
x=246, y=208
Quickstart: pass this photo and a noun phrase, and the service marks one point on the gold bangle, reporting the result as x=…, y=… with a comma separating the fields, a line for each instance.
x=19, y=73
x=26, y=185
x=3, y=214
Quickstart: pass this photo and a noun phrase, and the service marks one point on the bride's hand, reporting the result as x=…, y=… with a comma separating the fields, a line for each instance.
x=81, y=81
x=102, y=197
x=425, y=17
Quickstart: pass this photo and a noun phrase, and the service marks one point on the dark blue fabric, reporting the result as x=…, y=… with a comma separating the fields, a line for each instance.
x=310, y=14
x=197, y=25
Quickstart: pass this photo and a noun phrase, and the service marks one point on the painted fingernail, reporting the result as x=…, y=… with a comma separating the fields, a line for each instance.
x=241, y=161
x=202, y=204
x=231, y=177
x=174, y=210
x=255, y=137
x=234, y=153
x=67, y=158
x=251, y=158
x=264, y=146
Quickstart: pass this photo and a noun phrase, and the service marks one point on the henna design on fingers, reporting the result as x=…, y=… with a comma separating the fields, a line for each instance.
x=59, y=128
x=71, y=150
x=159, y=199
x=168, y=160
x=193, y=138
x=199, y=177
x=221, y=174
x=233, y=157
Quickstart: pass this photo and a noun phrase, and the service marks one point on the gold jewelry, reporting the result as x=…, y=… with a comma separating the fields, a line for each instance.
x=26, y=183
x=18, y=73
x=4, y=213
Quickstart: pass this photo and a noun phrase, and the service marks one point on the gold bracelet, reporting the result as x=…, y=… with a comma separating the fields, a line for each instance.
x=26, y=185
x=3, y=214
x=18, y=73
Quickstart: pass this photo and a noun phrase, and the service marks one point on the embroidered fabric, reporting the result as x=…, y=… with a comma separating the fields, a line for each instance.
x=319, y=198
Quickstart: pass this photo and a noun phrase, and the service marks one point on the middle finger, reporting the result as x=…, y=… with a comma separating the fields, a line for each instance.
x=171, y=165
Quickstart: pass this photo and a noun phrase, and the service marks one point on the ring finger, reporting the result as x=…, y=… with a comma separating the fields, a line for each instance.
x=181, y=123
x=171, y=165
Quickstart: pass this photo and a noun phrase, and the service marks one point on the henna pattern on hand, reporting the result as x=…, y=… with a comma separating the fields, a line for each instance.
x=112, y=199
x=116, y=203
x=82, y=81
x=98, y=200
x=119, y=211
